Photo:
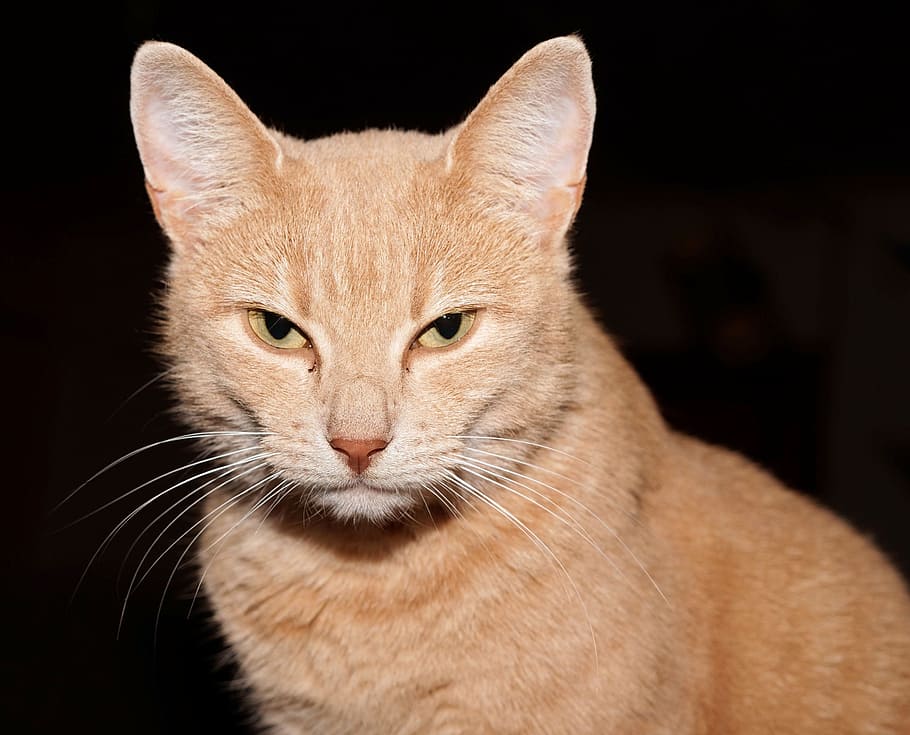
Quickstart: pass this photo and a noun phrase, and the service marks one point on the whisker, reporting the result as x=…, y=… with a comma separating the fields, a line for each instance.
x=284, y=488
x=458, y=514
x=207, y=520
x=182, y=499
x=153, y=445
x=181, y=468
x=631, y=516
x=519, y=441
x=440, y=496
x=426, y=505
x=132, y=514
x=139, y=390
x=230, y=473
x=494, y=471
x=208, y=516
x=567, y=520
x=537, y=541
x=604, y=524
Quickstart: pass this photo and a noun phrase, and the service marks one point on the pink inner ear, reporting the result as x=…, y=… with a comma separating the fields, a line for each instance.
x=200, y=156
x=178, y=160
x=204, y=153
x=558, y=205
x=569, y=149
x=527, y=142
x=555, y=164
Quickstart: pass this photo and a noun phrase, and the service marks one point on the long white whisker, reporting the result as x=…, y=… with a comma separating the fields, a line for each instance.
x=493, y=473
x=229, y=472
x=440, y=496
x=536, y=540
x=274, y=492
x=132, y=514
x=226, y=477
x=284, y=488
x=574, y=500
x=153, y=445
x=631, y=516
x=519, y=441
x=431, y=491
x=207, y=520
x=567, y=520
x=459, y=514
x=208, y=516
x=181, y=468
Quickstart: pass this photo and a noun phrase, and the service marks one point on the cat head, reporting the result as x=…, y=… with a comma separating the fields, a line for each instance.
x=361, y=304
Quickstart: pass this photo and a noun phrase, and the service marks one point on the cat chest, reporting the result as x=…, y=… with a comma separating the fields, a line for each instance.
x=351, y=651
x=403, y=646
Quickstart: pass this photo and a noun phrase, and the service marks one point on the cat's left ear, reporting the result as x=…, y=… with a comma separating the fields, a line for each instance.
x=525, y=146
x=207, y=158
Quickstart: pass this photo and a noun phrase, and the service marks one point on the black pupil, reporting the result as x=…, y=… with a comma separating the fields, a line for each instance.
x=447, y=325
x=278, y=326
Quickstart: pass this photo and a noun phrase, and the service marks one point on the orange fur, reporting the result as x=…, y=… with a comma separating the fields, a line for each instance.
x=576, y=566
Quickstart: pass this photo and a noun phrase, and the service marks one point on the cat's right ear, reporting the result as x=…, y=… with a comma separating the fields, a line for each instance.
x=206, y=156
x=524, y=148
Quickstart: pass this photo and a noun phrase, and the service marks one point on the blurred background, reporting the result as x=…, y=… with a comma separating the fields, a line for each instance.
x=745, y=235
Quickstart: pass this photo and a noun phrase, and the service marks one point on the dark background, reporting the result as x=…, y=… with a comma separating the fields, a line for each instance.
x=745, y=235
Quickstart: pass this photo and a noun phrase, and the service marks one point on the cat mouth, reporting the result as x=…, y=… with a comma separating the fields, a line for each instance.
x=365, y=487
x=363, y=500
x=360, y=486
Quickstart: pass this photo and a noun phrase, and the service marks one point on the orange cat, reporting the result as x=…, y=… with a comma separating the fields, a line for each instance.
x=453, y=507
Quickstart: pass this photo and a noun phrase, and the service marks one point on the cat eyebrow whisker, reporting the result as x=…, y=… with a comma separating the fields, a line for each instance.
x=146, y=384
x=536, y=540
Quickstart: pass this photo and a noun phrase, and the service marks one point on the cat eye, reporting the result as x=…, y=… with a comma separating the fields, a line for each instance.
x=447, y=329
x=276, y=330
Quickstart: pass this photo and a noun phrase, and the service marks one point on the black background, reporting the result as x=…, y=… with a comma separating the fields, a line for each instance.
x=745, y=235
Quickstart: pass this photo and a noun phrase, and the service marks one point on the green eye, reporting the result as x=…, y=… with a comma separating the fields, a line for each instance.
x=447, y=330
x=275, y=330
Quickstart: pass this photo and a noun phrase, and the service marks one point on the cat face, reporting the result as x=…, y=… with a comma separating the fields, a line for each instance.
x=364, y=303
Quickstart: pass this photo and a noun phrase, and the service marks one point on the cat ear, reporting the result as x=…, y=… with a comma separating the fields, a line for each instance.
x=526, y=144
x=206, y=156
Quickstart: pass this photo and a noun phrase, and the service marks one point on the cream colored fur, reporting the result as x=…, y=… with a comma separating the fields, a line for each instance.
x=584, y=569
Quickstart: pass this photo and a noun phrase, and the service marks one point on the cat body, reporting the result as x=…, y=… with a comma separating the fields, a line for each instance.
x=486, y=529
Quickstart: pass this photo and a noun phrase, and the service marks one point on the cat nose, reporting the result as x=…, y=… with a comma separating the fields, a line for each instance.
x=358, y=452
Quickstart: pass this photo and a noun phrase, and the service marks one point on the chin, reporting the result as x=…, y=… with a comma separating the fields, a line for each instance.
x=365, y=503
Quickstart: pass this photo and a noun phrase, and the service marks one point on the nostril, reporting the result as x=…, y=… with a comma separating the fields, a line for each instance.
x=358, y=451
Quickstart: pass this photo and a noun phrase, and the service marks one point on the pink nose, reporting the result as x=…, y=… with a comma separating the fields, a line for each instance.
x=358, y=452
